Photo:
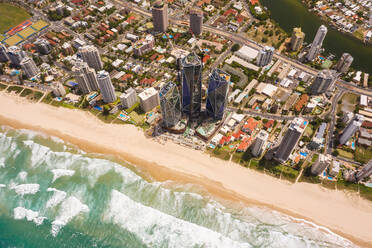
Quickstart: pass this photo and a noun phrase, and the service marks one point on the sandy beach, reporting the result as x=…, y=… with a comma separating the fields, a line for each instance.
x=344, y=213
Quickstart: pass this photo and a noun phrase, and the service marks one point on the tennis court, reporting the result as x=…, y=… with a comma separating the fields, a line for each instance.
x=27, y=32
x=14, y=40
x=40, y=25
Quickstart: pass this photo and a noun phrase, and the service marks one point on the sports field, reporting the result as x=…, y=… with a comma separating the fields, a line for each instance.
x=11, y=16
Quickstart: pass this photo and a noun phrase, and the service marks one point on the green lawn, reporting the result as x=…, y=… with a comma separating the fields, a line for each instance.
x=26, y=92
x=107, y=118
x=350, y=98
x=315, y=158
x=14, y=88
x=221, y=152
x=300, y=89
x=309, y=130
x=11, y=16
x=136, y=117
x=362, y=154
x=3, y=86
x=345, y=154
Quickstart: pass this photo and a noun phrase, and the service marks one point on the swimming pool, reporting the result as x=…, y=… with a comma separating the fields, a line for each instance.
x=303, y=154
x=14, y=73
x=369, y=185
x=98, y=108
x=92, y=96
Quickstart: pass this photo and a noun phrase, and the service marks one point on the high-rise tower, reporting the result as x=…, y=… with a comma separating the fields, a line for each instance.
x=297, y=39
x=29, y=67
x=218, y=87
x=265, y=55
x=15, y=55
x=3, y=53
x=106, y=87
x=191, y=75
x=259, y=143
x=85, y=77
x=344, y=63
x=196, y=21
x=170, y=103
x=317, y=43
x=322, y=82
x=160, y=16
x=90, y=55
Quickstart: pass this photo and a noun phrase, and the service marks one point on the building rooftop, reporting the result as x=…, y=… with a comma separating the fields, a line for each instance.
x=147, y=93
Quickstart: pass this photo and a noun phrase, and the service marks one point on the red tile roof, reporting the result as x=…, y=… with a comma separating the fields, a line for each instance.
x=301, y=102
x=250, y=125
x=131, y=18
x=225, y=140
x=244, y=145
x=126, y=77
x=230, y=12
x=154, y=56
x=239, y=18
x=238, y=134
x=147, y=81
x=269, y=124
x=206, y=58
x=77, y=1
x=367, y=124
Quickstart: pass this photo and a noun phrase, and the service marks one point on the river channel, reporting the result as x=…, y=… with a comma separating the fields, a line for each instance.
x=292, y=13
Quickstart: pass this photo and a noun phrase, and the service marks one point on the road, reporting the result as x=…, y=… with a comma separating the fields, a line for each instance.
x=266, y=115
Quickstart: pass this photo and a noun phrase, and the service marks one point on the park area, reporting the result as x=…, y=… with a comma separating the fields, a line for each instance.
x=11, y=16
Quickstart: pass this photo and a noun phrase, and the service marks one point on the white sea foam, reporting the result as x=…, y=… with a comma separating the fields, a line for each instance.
x=8, y=148
x=156, y=228
x=69, y=208
x=22, y=175
x=38, y=152
x=2, y=162
x=56, y=199
x=57, y=173
x=26, y=189
x=2, y=185
x=21, y=213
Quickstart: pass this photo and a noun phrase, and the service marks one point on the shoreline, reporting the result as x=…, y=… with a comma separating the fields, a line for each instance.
x=346, y=215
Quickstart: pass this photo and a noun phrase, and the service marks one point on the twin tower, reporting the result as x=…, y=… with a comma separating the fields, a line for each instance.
x=173, y=105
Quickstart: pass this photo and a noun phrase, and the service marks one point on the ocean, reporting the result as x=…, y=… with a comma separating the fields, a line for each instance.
x=52, y=194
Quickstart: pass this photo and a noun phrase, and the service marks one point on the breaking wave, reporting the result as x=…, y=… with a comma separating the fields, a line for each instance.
x=85, y=201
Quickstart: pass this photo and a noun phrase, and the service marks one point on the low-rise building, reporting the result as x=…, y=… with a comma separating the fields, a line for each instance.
x=144, y=45
x=149, y=99
x=128, y=98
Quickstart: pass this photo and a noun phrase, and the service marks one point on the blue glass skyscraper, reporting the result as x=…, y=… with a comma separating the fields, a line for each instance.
x=170, y=103
x=191, y=81
x=218, y=88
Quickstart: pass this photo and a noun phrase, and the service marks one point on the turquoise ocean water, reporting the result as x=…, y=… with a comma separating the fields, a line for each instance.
x=55, y=195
